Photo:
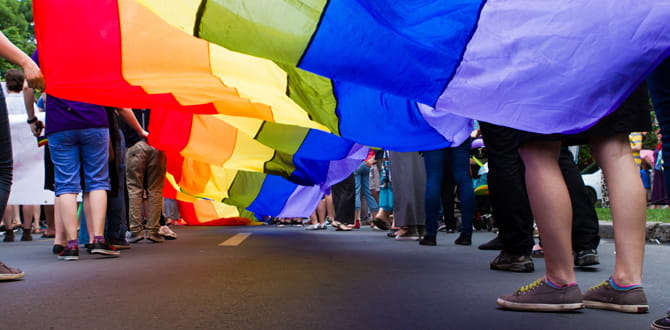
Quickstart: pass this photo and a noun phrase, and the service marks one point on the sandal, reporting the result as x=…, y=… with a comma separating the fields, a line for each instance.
x=340, y=226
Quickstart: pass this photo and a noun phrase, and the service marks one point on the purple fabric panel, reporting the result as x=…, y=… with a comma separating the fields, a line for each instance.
x=453, y=127
x=302, y=202
x=556, y=66
x=304, y=199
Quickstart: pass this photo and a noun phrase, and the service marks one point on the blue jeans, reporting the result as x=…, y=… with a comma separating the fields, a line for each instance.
x=458, y=159
x=362, y=184
x=659, y=90
x=73, y=149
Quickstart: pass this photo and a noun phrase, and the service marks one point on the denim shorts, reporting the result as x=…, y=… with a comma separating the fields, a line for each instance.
x=77, y=149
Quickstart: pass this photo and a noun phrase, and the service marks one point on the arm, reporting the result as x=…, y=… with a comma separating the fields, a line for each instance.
x=13, y=54
x=29, y=102
x=128, y=116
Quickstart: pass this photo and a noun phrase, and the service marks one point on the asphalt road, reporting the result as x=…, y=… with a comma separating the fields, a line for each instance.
x=290, y=278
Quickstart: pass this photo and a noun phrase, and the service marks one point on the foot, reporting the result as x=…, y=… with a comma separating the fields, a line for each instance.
x=606, y=296
x=57, y=249
x=315, y=226
x=120, y=244
x=407, y=235
x=9, y=273
x=9, y=236
x=69, y=254
x=167, y=232
x=154, y=237
x=494, y=244
x=380, y=223
x=135, y=237
x=513, y=263
x=464, y=239
x=662, y=323
x=103, y=248
x=542, y=297
x=428, y=240
x=586, y=258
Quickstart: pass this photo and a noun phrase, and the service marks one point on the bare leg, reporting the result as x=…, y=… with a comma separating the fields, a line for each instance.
x=321, y=212
x=95, y=207
x=627, y=200
x=550, y=203
x=67, y=208
x=49, y=215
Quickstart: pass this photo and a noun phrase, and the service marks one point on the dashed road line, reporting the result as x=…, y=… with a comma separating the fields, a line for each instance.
x=235, y=240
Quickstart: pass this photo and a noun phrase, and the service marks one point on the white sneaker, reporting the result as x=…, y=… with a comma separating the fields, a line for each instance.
x=315, y=226
x=166, y=232
x=322, y=226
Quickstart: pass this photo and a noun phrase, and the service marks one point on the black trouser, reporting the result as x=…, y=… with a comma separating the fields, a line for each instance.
x=344, y=194
x=6, y=160
x=509, y=198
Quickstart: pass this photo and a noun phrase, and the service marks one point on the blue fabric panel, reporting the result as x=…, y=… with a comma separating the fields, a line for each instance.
x=378, y=119
x=309, y=172
x=321, y=145
x=409, y=48
x=272, y=196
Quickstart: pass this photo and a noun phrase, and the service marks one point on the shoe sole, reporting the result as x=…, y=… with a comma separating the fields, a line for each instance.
x=105, y=252
x=155, y=240
x=68, y=258
x=517, y=268
x=9, y=277
x=121, y=247
x=539, y=307
x=132, y=241
x=616, y=307
x=381, y=224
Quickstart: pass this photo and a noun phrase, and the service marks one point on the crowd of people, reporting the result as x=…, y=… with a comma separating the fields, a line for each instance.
x=532, y=178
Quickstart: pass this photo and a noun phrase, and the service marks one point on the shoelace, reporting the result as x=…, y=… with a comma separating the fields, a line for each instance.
x=528, y=287
x=604, y=283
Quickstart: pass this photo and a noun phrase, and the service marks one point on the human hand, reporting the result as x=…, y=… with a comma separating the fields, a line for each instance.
x=37, y=127
x=34, y=75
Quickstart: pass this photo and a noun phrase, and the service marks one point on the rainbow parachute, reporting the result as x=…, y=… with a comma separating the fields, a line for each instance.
x=263, y=101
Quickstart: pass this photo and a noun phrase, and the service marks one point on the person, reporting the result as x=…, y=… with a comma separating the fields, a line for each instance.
x=35, y=80
x=409, y=186
x=79, y=139
x=343, y=194
x=362, y=188
x=457, y=159
x=511, y=208
x=145, y=173
x=659, y=92
x=550, y=204
x=16, y=106
x=659, y=195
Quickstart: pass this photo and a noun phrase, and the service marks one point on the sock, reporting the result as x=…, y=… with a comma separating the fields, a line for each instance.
x=72, y=244
x=100, y=239
x=556, y=286
x=622, y=288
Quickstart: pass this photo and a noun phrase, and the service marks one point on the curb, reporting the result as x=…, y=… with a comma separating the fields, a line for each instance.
x=658, y=232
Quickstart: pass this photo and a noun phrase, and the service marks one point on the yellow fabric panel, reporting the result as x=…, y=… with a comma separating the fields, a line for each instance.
x=158, y=47
x=218, y=183
x=249, y=151
x=180, y=14
x=261, y=81
x=225, y=211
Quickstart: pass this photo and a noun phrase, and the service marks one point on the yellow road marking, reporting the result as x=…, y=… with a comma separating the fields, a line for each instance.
x=235, y=240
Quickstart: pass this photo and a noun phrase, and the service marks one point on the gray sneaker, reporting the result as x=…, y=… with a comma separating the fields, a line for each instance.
x=604, y=296
x=541, y=297
x=135, y=237
x=513, y=263
x=154, y=237
x=9, y=273
x=586, y=258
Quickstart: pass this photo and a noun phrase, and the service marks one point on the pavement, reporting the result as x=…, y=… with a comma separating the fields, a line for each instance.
x=264, y=277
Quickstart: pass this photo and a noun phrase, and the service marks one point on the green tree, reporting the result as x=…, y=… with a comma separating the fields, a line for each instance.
x=16, y=17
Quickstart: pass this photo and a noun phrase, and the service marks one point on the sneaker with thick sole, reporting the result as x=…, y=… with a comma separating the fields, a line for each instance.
x=120, y=244
x=542, y=297
x=135, y=236
x=585, y=258
x=513, y=263
x=494, y=244
x=69, y=254
x=604, y=296
x=662, y=323
x=154, y=237
x=167, y=232
x=10, y=273
x=103, y=248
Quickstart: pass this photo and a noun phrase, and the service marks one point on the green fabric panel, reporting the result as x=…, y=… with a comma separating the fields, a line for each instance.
x=283, y=138
x=314, y=94
x=245, y=188
x=253, y=26
x=281, y=164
